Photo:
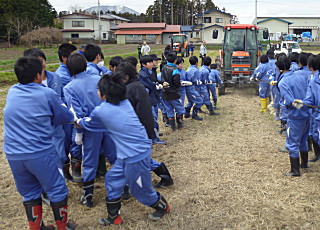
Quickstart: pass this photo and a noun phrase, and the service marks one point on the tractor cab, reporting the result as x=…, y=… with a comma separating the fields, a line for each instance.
x=179, y=44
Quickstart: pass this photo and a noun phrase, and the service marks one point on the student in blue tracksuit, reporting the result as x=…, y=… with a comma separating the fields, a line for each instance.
x=145, y=77
x=141, y=103
x=294, y=57
x=171, y=92
x=214, y=78
x=29, y=116
x=294, y=86
x=64, y=51
x=53, y=81
x=194, y=98
x=312, y=99
x=132, y=166
x=104, y=69
x=165, y=118
x=271, y=75
x=182, y=72
x=204, y=79
x=260, y=73
x=93, y=54
x=81, y=94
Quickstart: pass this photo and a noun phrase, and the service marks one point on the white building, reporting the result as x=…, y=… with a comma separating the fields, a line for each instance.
x=291, y=24
x=84, y=28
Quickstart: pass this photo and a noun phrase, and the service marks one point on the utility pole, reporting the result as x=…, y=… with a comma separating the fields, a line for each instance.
x=99, y=22
x=203, y=9
x=160, y=10
x=256, y=13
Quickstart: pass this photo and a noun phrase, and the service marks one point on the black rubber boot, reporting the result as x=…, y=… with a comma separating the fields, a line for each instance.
x=210, y=108
x=60, y=212
x=309, y=143
x=34, y=215
x=76, y=170
x=179, y=121
x=126, y=193
x=102, y=167
x=304, y=159
x=195, y=114
x=316, y=150
x=163, y=172
x=215, y=104
x=187, y=113
x=172, y=123
x=45, y=198
x=283, y=127
x=66, y=172
x=162, y=207
x=295, y=167
x=87, y=194
x=113, y=207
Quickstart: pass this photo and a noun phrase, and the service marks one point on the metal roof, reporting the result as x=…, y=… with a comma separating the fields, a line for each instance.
x=141, y=25
x=279, y=19
x=77, y=30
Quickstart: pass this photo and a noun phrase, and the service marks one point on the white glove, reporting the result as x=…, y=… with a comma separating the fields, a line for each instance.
x=186, y=83
x=251, y=78
x=78, y=138
x=165, y=85
x=159, y=87
x=297, y=103
x=209, y=82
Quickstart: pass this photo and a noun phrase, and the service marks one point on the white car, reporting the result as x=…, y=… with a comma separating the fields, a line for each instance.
x=283, y=47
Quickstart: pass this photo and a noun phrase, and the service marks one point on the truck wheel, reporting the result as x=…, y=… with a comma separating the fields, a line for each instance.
x=222, y=89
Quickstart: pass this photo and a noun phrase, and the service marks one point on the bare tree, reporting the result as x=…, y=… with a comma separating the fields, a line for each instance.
x=45, y=36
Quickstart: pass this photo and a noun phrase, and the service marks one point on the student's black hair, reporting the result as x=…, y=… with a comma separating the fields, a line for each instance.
x=132, y=60
x=127, y=69
x=162, y=64
x=280, y=55
x=206, y=61
x=171, y=57
x=294, y=57
x=102, y=56
x=113, y=88
x=270, y=53
x=76, y=63
x=179, y=60
x=115, y=61
x=283, y=63
x=145, y=59
x=65, y=50
x=34, y=52
x=193, y=60
x=313, y=62
x=213, y=66
x=27, y=68
x=91, y=51
x=303, y=59
x=264, y=59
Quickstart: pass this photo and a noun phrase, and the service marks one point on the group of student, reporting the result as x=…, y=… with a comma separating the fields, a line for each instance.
x=85, y=113
x=293, y=84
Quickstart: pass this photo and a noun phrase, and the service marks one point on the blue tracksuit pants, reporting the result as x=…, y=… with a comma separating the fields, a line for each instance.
x=59, y=139
x=173, y=105
x=212, y=88
x=108, y=148
x=193, y=98
x=297, y=136
x=137, y=176
x=40, y=174
x=264, y=90
x=182, y=94
x=154, y=164
x=202, y=90
x=276, y=97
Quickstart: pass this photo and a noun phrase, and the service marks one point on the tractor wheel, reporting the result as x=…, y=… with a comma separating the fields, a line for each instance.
x=222, y=89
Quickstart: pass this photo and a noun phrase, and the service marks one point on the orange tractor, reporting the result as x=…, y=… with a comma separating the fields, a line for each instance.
x=179, y=44
x=240, y=54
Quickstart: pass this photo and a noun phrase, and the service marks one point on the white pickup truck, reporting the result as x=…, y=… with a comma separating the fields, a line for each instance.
x=285, y=46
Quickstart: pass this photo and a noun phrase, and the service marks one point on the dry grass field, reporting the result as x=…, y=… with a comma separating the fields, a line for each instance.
x=227, y=171
x=228, y=175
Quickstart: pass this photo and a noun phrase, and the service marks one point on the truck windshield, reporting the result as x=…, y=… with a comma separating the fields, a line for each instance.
x=240, y=39
x=294, y=45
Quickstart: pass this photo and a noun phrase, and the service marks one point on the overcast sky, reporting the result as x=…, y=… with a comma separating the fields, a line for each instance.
x=244, y=9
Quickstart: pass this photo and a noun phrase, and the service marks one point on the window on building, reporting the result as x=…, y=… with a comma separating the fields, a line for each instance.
x=196, y=34
x=77, y=23
x=150, y=35
x=207, y=20
x=74, y=35
x=104, y=35
x=218, y=20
